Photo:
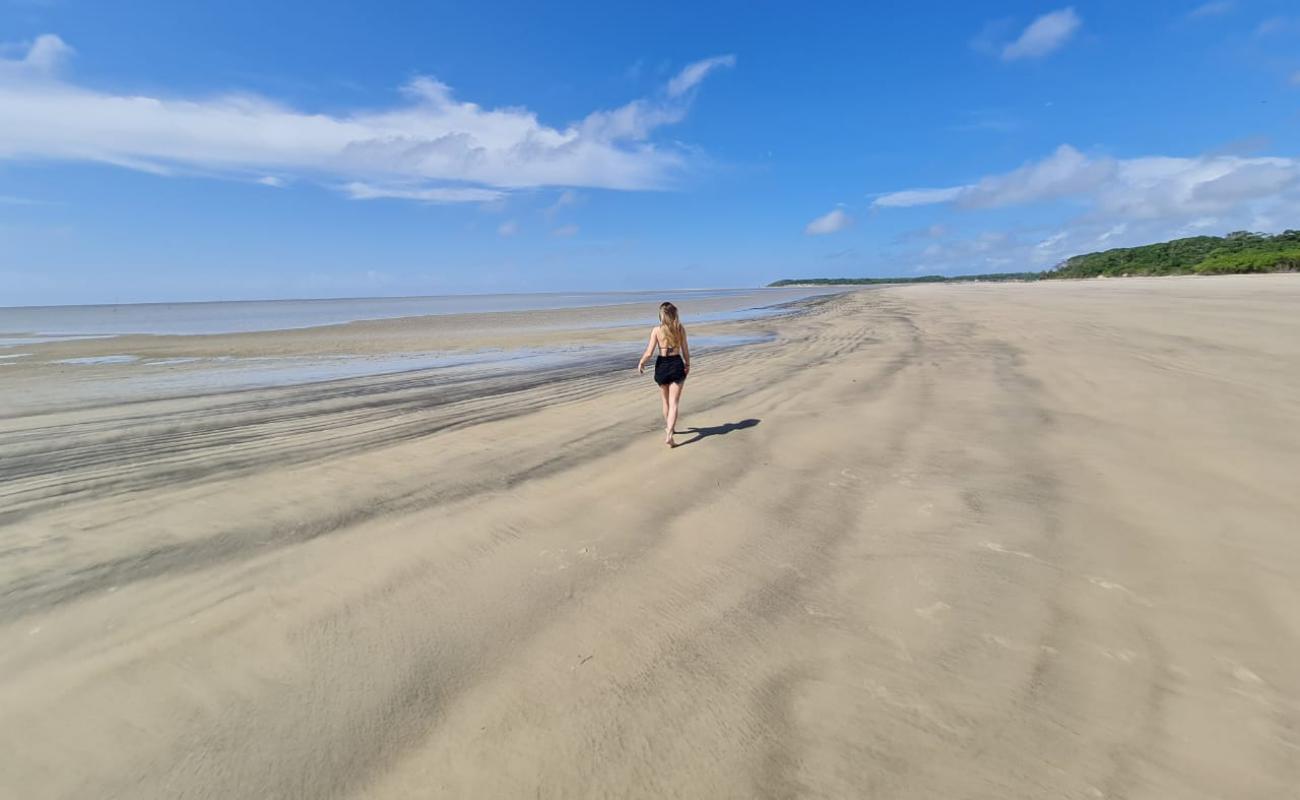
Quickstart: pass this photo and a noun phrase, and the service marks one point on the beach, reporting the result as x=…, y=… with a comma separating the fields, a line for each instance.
x=970, y=540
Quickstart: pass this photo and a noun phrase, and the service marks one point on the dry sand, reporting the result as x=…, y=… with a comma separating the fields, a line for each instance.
x=1000, y=541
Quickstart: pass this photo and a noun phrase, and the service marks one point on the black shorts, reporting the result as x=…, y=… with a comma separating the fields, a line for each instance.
x=669, y=369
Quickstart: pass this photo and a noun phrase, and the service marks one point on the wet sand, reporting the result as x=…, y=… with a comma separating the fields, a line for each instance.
x=1014, y=541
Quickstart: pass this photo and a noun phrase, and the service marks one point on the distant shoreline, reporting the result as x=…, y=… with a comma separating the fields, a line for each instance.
x=1238, y=253
x=998, y=277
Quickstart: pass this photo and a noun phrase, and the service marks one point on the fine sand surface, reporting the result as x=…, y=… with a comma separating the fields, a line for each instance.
x=994, y=541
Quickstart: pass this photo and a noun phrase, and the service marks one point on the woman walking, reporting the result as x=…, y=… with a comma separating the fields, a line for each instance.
x=671, y=365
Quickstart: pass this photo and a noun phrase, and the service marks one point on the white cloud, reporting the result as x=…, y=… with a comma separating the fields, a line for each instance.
x=272, y=181
x=917, y=197
x=830, y=222
x=1065, y=172
x=44, y=56
x=691, y=76
x=432, y=146
x=1044, y=35
x=565, y=231
x=1295, y=78
x=507, y=229
x=437, y=194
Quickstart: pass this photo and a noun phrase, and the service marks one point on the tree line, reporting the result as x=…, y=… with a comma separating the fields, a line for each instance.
x=1238, y=252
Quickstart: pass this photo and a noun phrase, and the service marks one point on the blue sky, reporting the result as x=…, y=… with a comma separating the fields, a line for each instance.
x=184, y=151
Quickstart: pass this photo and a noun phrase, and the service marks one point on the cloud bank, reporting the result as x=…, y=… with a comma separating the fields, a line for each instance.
x=432, y=147
x=1115, y=202
x=1144, y=188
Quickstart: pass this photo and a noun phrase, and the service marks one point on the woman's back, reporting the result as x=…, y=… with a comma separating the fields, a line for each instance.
x=667, y=347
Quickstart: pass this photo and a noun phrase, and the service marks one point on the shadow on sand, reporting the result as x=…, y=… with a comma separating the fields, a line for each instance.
x=715, y=430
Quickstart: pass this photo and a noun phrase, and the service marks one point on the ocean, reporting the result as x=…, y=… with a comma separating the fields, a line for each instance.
x=36, y=324
x=64, y=356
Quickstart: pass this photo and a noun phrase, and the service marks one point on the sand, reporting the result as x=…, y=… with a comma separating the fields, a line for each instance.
x=1003, y=541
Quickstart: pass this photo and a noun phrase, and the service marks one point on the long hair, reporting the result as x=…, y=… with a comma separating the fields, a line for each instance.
x=670, y=325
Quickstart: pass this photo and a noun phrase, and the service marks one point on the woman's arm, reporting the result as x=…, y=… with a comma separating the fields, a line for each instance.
x=649, y=348
x=686, y=352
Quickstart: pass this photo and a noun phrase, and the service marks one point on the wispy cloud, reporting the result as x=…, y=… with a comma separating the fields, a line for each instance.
x=1212, y=9
x=1112, y=203
x=906, y=198
x=1276, y=25
x=565, y=231
x=692, y=74
x=1064, y=172
x=1295, y=78
x=830, y=222
x=507, y=229
x=566, y=198
x=432, y=147
x=436, y=194
x=1043, y=36
x=1149, y=187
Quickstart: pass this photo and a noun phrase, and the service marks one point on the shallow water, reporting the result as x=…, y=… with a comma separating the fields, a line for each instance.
x=124, y=376
x=34, y=325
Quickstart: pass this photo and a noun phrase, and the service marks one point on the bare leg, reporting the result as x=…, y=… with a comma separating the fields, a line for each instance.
x=663, y=390
x=674, y=394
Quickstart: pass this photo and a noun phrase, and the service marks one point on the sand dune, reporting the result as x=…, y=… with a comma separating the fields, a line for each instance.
x=1013, y=541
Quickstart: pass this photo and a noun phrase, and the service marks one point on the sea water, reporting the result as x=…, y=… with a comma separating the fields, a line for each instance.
x=120, y=375
x=27, y=325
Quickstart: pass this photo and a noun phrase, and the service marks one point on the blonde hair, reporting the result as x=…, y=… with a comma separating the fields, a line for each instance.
x=670, y=326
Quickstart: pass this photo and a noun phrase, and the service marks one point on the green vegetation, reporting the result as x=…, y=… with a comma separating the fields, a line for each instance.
x=1198, y=255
